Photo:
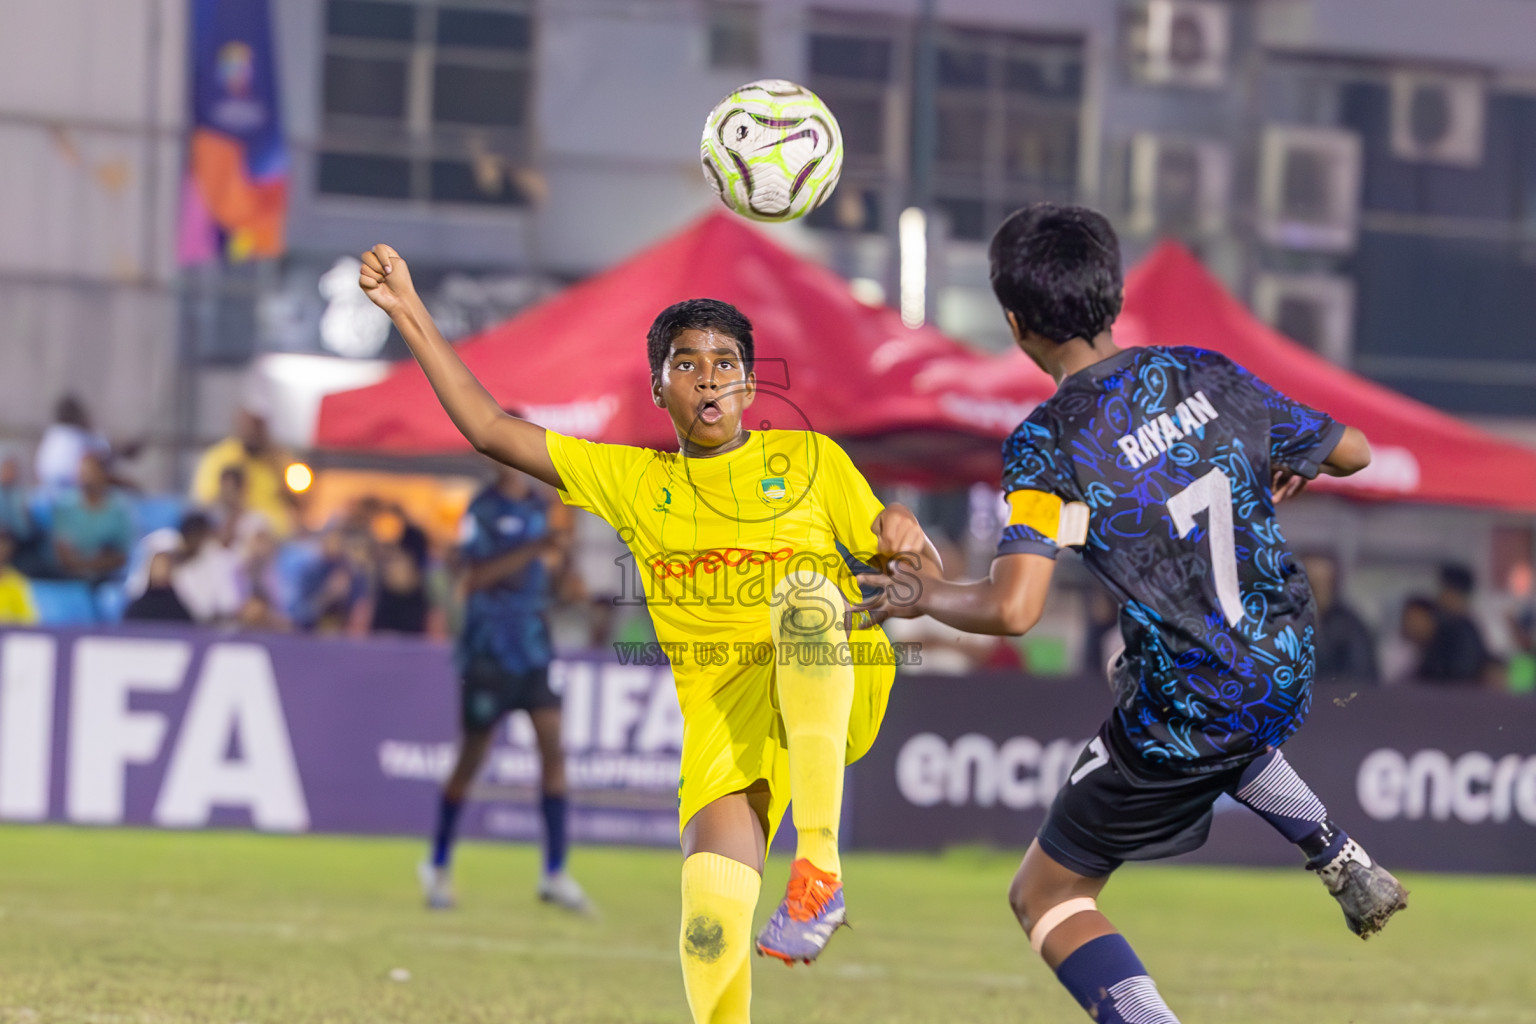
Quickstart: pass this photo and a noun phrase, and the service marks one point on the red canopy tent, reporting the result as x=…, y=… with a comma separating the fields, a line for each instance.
x=910, y=405
x=1419, y=453
x=576, y=363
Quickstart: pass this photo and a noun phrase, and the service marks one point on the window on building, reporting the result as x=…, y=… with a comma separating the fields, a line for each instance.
x=1009, y=120
x=426, y=102
x=365, y=86
x=1008, y=124
x=1444, y=253
x=857, y=69
x=841, y=55
x=853, y=76
x=370, y=19
x=358, y=174
x=967, y=217
x=734, y=36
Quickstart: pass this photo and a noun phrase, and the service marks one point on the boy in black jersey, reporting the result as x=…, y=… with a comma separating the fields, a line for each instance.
x=1163, y=466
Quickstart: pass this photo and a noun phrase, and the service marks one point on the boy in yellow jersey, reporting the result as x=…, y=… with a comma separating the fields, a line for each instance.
x=736, y=535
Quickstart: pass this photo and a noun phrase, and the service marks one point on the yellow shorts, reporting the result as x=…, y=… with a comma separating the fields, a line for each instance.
x=733, y=737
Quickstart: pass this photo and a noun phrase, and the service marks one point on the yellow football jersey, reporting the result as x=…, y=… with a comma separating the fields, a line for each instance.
x=711, y=537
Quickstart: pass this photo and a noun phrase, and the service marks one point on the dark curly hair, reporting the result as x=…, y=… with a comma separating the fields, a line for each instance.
x=701, y=315
x=1057, y=270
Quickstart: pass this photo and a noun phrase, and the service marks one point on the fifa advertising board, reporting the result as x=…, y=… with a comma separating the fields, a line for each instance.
x=1427, y=778
x=178, y=728
x=187, y=729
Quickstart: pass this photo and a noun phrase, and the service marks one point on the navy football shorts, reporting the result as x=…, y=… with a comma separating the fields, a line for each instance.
x=1116, y=807
x=489, y=691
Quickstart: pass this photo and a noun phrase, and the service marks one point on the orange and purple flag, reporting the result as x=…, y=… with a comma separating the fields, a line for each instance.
x=234, y=198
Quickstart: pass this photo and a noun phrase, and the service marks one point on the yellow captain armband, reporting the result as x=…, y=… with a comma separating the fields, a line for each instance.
x=1065, y=522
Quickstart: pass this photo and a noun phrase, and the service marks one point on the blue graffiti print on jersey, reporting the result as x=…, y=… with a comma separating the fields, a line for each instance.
x=1171, y=450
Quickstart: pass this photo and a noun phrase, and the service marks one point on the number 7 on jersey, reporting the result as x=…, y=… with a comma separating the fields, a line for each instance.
x=1213, y=493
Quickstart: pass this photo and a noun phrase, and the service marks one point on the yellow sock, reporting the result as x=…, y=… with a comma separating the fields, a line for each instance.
x=719, y=895
x=815, y=700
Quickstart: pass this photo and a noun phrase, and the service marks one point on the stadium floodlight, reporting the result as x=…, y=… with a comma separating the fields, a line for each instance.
x=912, y=234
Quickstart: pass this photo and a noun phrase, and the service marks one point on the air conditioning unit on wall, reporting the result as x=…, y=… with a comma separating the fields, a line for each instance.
x=1438, y=118
x=1317, y=310
x=1309, y=188
x=1179, y=186
x=1187, y=42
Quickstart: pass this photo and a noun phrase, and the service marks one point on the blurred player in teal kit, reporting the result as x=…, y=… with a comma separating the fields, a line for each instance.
x=1163, y=466
x=513, y=539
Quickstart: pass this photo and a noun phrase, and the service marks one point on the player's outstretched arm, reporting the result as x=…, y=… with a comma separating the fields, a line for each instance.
x=1007, y=603
x=507, y=439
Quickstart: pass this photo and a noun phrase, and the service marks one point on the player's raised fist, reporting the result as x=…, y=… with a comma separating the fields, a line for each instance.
x=385, y=278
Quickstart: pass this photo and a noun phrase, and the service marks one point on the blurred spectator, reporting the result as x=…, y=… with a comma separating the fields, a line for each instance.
x=258, y=614
x=1523, y=624
x=66, y=442
x=204, y=574
x=1518, y=610
x=16, y=605
x=1416, y=628
x=245, y=535
x=238, y=525
x=1346, y=649
x=207, y=574
x=92, y=528
x=1455, y=652
x=1522, y=616
x=251, y=449
x=442, y=590
x=331, y=591
x=164, y=541
x=265, y=589
x=159, y=601
x=399, y=602
x=16, y=517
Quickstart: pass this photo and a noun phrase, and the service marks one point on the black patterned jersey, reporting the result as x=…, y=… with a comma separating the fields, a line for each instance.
x=1156, y=463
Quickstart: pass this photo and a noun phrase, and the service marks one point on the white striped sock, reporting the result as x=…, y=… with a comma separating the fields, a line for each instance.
x=1136, y=1001
x=1279, y=790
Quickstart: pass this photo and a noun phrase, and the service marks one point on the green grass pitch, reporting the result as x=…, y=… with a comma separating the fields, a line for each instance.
x=144, y=927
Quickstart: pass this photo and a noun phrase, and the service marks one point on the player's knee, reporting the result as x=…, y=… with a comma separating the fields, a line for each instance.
x=1032, y=898
x=1018, y=900
x=805, y=603
x=1029, y=901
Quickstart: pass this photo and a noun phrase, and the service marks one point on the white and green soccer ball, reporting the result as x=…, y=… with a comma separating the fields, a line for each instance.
x=772, y=150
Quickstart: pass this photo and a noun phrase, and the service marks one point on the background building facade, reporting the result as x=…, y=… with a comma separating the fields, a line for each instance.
x=1363, y=172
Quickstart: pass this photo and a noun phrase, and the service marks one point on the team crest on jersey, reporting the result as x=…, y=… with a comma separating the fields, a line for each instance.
x=774, y=490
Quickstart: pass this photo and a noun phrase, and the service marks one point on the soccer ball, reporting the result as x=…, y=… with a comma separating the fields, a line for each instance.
x=772, y=150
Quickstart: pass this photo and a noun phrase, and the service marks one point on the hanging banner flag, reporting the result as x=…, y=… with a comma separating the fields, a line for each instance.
x=234, y=198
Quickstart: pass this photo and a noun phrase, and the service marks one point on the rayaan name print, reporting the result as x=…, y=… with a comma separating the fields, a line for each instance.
x=1153, y=437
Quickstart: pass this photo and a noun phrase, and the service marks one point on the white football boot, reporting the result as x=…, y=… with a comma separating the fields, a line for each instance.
x=436, y=886
x=564, y=891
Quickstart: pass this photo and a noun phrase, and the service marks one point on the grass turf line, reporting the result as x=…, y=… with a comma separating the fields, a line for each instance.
x=134, y=927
